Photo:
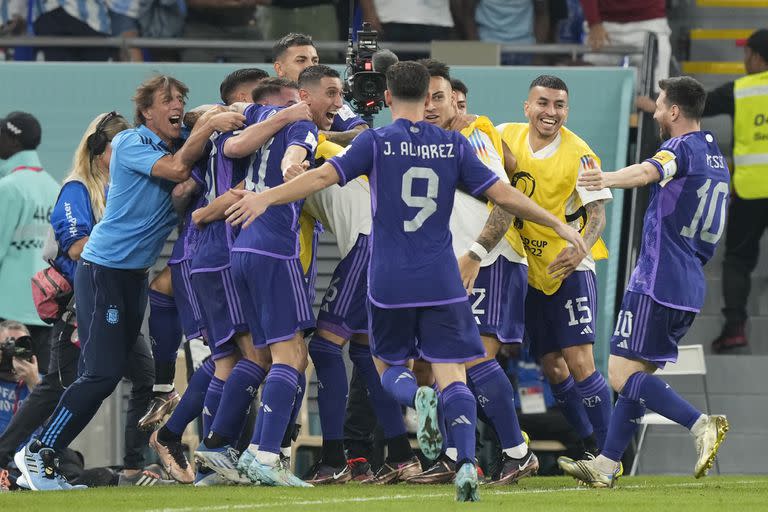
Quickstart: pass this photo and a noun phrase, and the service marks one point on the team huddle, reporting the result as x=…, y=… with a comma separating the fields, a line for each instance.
x=456, y=237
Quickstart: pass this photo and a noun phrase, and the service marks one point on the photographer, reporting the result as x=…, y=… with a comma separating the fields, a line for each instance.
x=18, y=369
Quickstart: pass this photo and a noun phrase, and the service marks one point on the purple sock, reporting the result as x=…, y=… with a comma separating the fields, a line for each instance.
x=277, y=405
x=388, y=411
x=624, y=420
x=239, y=390
x=496, y=397
x=659, y=397
x=211, y=403
x=568, y=399
x=191, y=403
x=165, y=336
x=598, y=404
x=332, y=387
x=461, y=416
x=400, y=382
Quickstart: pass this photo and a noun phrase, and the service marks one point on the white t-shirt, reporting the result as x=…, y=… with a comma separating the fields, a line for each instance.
x=344, y=211
x=469, y=214
x=585, y=196
x=416, y=12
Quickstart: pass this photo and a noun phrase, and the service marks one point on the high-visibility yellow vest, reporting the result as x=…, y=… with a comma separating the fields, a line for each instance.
x=750, y=136
x=550, y=182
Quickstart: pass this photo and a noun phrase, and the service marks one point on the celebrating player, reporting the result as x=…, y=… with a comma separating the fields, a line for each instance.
x=684, y=221
x=415, y=288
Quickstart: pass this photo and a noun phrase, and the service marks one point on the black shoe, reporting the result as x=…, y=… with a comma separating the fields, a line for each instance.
x=360, y=469
x=394, y=472
x=323, y=474
x=513, y=469
x=441, y=472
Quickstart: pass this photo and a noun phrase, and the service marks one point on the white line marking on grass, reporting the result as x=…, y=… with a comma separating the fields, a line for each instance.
x=487, y=492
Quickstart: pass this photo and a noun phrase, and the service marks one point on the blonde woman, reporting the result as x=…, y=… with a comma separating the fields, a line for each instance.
x=79, y=207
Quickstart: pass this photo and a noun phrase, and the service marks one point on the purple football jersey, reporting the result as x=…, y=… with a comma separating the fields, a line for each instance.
x=221, y=174
x=414, y=169
x=684, y=221
x=186, y=245
x=276, y=232
x=345, y=119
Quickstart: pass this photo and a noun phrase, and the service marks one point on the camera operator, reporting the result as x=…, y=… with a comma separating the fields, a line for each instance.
x=18, y=369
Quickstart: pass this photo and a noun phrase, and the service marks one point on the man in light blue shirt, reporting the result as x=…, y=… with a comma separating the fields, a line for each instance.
x=111, y=277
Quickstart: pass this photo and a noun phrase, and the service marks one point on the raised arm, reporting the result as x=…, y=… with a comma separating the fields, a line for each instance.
x=216, y=209
x=344, y=138
x=634, y=176
x=256, y=135
x=252, y=204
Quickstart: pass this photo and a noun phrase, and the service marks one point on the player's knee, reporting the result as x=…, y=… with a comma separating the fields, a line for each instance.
x=292, y=352
x=162, y=282
x=554, y=368
x=581, y=362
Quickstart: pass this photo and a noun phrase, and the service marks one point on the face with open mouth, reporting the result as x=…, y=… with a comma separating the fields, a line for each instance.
x=324, y=99
x=546, y=110
x=165, y=114
x=441, y=103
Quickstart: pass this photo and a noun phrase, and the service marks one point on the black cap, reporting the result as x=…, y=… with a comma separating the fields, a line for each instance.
x=23, y=127
x=758, y=43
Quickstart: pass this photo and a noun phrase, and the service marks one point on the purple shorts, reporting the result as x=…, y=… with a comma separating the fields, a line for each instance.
x=564, y=319
x=222, y=310
x=343, y=311
x=648, y=331
x=438, y=334
x=498, y=301
x=190, y=313
x=274, y=296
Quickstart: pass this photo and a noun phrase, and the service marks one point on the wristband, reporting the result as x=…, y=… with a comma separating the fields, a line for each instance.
x=479, y=250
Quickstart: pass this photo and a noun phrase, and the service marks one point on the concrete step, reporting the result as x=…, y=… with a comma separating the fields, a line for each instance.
x=718, y=44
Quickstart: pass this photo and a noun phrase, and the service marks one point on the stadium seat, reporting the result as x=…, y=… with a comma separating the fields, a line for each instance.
x=690, y=361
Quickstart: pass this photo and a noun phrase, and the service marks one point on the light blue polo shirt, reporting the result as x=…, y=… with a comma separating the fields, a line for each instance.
x=139, y=215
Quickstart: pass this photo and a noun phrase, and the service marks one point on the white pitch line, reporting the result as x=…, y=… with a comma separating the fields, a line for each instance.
x=332, y=501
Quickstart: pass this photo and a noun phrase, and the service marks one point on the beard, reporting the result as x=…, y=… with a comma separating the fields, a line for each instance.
x=664, y=132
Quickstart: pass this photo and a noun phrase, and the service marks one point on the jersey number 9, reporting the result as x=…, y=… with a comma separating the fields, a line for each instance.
x=426, y=203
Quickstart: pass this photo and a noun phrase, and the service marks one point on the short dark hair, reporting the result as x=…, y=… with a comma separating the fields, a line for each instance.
x=549, y=82
x=270, y=86
x=436, y=68
x=145, y=93
x=408, y=80
x=459, y=86
x=314, y=74
x=238, y=77
x=289, y=41
x=687, y=93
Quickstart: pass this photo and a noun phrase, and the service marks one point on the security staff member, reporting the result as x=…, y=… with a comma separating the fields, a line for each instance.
x=111, y=278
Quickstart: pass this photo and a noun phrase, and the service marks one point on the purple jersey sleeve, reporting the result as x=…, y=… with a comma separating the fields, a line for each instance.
x=345, y=120
x=302, y=134
x=356, y=159
x=671, y=159
x=251, y=114
x=473, y=173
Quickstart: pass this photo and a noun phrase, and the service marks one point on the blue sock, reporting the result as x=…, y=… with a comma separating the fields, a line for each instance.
x=496, y=397
x=191, y=403
x=165, y=335
x=400, y=382
x=239, y=390
x=570, y=403
x=461, y=416
x=624, y=421
x=332, y=386
x=659, y=397
x=598, y=403
x=211, y=403
x=277, y=405
x=388, y=411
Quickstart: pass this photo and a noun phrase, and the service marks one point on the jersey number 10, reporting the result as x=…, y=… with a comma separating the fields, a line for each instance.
x=708, y=200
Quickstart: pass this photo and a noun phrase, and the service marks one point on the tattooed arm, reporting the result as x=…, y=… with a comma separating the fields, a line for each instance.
x=568, y=259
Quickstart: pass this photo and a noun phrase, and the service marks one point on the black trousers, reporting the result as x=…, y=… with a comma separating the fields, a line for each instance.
x=62, y=372
x=747, y=220
x=360, y=425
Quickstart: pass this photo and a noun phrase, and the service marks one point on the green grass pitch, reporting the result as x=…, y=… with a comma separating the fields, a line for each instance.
x=550, y=494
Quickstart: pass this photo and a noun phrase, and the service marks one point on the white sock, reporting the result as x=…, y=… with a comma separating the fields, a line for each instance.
x=606, y=465
x=700, y=426
x=253, y=448
x=162, y=388
x=286, y=451
x=452, y=453
x=267, y=458
x=517, y=452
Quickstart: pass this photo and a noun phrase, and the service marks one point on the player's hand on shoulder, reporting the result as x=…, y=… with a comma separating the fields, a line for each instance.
x=298, y=112
x=469, y=269
x=565, y=263
x=295, y=170
x=592, y=180
x=184, y=189
x=249, y=207
x=461, y=121
x=227, y=121
x=197, y=217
